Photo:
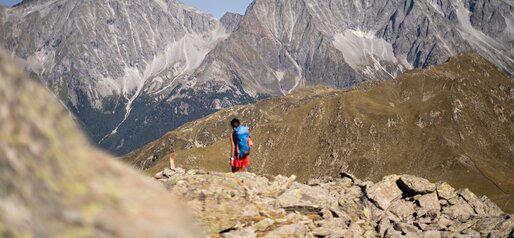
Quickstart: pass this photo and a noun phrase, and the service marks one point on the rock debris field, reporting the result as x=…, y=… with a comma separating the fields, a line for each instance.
x=248, y=205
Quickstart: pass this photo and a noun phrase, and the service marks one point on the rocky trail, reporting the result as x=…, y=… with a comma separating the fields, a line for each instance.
x=249, y=205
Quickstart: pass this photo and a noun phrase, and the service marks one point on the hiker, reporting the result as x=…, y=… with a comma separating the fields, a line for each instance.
x=241, y=143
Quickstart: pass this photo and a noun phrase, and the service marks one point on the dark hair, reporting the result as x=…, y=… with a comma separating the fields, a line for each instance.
x=235, y=123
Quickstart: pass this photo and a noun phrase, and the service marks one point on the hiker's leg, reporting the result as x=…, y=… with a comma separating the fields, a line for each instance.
x=234, y=169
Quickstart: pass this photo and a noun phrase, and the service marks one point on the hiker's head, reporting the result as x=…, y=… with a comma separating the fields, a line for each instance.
x=235, y=123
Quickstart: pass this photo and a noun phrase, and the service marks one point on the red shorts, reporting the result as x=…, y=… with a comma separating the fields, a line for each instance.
x=240, y=163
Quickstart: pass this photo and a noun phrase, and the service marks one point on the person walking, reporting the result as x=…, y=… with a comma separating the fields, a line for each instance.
x=241, y=143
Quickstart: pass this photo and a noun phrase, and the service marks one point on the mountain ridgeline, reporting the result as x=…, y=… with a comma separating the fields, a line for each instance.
x=130, y=71
x=452, y=122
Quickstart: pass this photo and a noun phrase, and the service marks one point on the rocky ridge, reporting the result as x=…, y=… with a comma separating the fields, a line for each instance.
x=452, y=122
x=248, y=205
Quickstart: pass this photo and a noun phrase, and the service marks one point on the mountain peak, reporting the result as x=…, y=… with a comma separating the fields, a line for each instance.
x=231, y=21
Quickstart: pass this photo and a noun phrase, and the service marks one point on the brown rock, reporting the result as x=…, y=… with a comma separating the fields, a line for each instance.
x=445, y=191
x=430, y=203
x=383, y=193
x=53, y=183
x=412, y=185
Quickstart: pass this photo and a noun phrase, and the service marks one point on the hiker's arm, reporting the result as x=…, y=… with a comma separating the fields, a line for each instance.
x=250, y=142
x=232, y=147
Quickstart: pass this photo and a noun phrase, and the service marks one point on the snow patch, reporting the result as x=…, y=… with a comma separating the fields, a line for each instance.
x=478, y=38
x=357, y=46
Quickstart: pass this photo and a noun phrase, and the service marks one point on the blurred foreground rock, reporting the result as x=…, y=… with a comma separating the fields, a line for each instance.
x=54, y=184
x=248, y=205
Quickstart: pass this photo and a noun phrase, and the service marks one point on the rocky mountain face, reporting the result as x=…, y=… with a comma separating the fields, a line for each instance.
x=107, y=61
x=246, y=205
x=231, y=21
x=55, y=184
x=131, y=71
x=453, y=122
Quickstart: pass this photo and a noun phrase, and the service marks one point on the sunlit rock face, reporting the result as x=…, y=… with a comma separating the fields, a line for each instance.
x=54, y=184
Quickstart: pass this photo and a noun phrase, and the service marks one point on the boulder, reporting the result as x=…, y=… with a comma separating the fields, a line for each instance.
x=460, y=210
x=445, y=191
x=412, y=185
x=383, y=193
x=430, y=203
x=292, y=230
x=473, y=200
x=403, y=209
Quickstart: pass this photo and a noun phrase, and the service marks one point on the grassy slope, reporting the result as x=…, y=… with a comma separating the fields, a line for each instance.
x=453, y=122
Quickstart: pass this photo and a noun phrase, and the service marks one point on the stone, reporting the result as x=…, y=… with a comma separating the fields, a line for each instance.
x=473, y=200
x=383, y=193
x=431, y=234
x=304, y=195
x=392, y=233
x=346, y=174
x=383, y=226
x=179, y=170
x=430, y=203
x=333, y=227
x=491, y=209
x=443, y=222
x=292, y=230
x=445, y=191
x=159, y=175
x=412, y=185
x=240, y=233
x=263, y=224
x=405, y=227
x=461, y=210
x=403, y=209
x=167, y=173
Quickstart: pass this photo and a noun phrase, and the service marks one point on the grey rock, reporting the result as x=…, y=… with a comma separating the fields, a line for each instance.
x=292, y=230
x=430, y=203
x=461, y=210
x=445, y=191
x=231, y=21
x=336, y=227
x=491, y=208
x=383, y=193
x=403, y=209
x=412, y=185
x=406, y=228
x=240, y=233
x=431, y=234
x=263, y=224
x=167, y=173
x=55, y=183
x=392, y=233
x=473, y=200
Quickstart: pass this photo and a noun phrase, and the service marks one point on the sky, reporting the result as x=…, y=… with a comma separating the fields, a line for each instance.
x=215, y=7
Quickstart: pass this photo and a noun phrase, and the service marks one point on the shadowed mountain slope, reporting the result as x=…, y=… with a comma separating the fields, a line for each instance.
x=452, y=122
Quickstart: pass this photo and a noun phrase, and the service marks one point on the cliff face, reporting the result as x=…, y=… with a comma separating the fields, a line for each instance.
x=452, y=122
x=54, y=184
x=247, y=205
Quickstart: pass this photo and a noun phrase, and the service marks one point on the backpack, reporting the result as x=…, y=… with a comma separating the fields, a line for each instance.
x=241, y=135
